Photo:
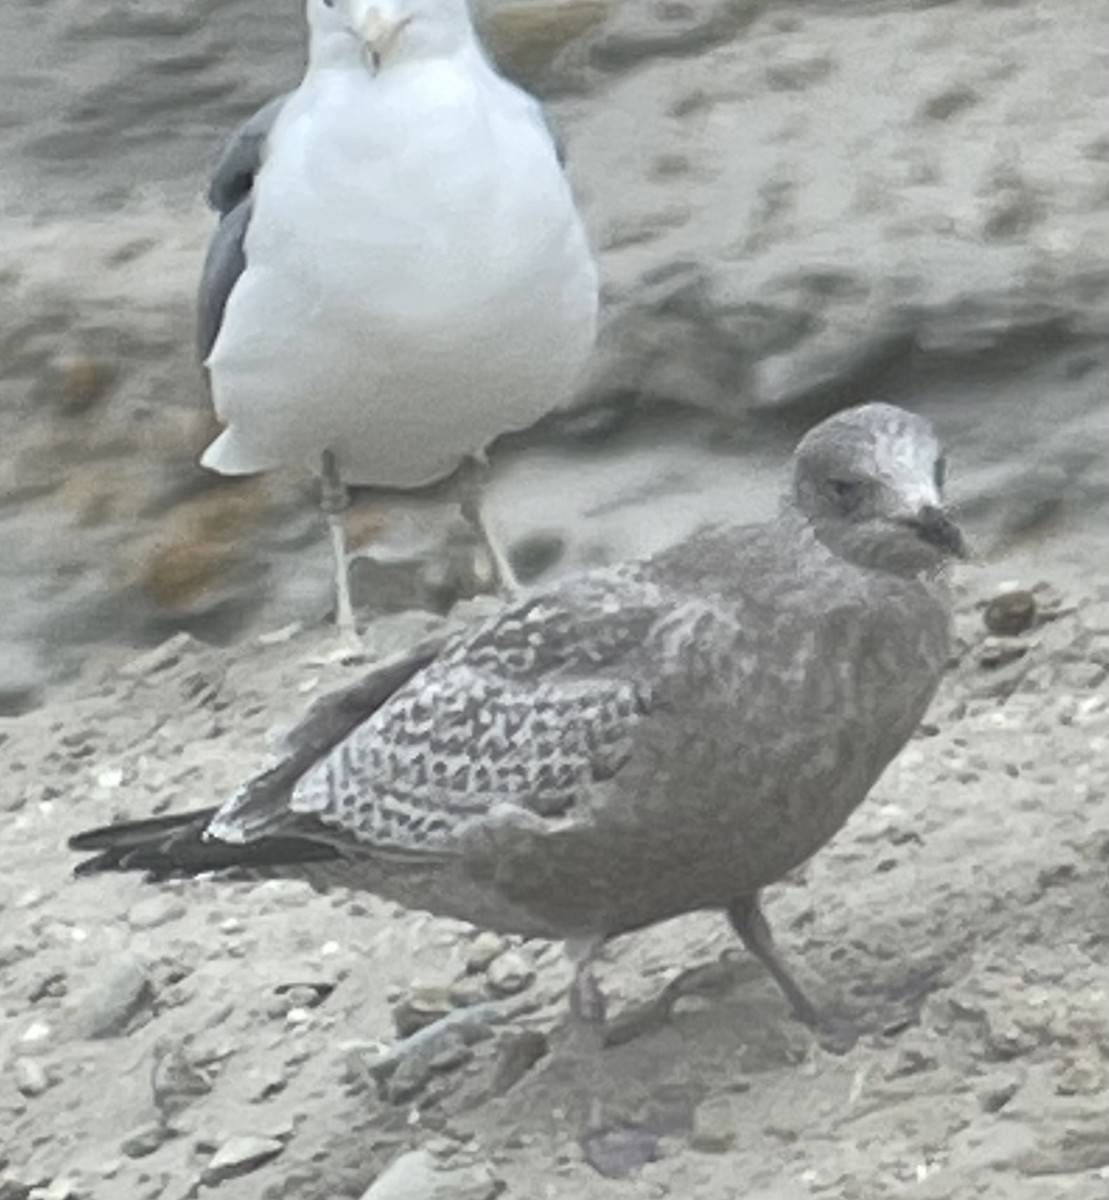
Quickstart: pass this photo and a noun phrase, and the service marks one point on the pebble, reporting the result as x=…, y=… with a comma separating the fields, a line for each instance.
x=108, y=1007
x=468, y=990
x=305, y=995
x=144, y=1139
x=1010, y=614
x=420, y=1006
x=1083, y=1074
x=155, y=910
x=483, y=950
x=12, y=1188
x=30, y=1076
x=36, y=1036
x=175, y=1079
x=239, y=1156
x=510, y=973
x=62, y=1188
x=417, y=1176
x=268, y=1084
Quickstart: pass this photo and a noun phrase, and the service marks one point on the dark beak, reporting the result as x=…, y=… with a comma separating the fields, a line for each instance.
x=934, y=526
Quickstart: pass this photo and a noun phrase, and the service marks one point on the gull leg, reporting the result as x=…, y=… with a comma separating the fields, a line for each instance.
x=613, y=1147
x=470, y=485
x=748, y=921
x=587, y=1001
x=334, y=500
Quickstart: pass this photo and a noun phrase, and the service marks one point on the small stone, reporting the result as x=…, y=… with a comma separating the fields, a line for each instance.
x=62, y=1188
x=417, y=1176
x=30, y=1076
x=1083, y=1074
x=467, y=991
x=510, y=973
x=305, y=995
x=483, y=950
x=994, y=654
x=107, y=1009
x=1010, y=614
x=269, y=1083
x=239, y=1156
x=144, y=1140
x=175, y=1079
x=420, y=1006
x=36, y=1036
x=13, y=1189
x=713, y=1127
x=156, y=910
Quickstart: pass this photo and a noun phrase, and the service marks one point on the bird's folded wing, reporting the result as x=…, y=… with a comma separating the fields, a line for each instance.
x=223, y=265
x=327, y=722
x=230, y=193
x=529, y=714
x=233, y=177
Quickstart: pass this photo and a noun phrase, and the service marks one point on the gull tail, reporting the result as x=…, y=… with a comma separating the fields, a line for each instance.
x=179, y=845
x=229, y=454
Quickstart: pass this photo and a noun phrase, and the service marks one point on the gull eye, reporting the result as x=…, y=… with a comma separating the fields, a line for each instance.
x=940, y=472
x=846, y=492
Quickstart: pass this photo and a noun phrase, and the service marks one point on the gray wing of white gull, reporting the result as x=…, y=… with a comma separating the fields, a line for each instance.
x=229, y=193
x=242, y=154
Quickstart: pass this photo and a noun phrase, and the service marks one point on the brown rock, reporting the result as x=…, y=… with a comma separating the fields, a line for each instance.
x=1010, y=614
x=420, y=1006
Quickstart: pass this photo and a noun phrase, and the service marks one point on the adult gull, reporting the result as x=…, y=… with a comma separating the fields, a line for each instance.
x=399, y=274
x=632, y=743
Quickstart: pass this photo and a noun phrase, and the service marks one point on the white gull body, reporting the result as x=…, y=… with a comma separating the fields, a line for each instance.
x=417, y=280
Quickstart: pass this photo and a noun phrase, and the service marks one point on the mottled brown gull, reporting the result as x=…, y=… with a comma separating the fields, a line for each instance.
x=633, y=743
x=399, y=274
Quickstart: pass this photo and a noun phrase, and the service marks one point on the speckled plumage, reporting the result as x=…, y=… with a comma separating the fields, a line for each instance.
x=639, y=741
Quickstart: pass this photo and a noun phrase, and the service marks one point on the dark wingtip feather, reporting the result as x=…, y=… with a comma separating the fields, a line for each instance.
x=136, y=833
x=176, y=845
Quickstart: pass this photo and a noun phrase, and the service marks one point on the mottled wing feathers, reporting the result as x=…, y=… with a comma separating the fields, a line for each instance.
x=532, y=711
x=260, y=806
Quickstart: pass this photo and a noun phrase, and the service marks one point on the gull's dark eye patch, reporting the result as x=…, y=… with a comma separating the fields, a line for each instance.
x=846, y=492
x=940, y=472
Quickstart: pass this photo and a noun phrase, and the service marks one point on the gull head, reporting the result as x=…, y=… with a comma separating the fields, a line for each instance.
x=870, y=483
x=390, y=31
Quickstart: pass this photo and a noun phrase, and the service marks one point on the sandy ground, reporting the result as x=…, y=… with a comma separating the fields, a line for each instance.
x=219, y=1037
x=831, y=202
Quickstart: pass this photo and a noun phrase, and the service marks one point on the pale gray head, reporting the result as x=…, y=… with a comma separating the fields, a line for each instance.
x=382, y=33
x=870, y=482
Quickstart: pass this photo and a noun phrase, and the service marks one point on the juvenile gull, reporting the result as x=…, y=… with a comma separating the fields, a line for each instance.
x=399, y=274
x=633, y=743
